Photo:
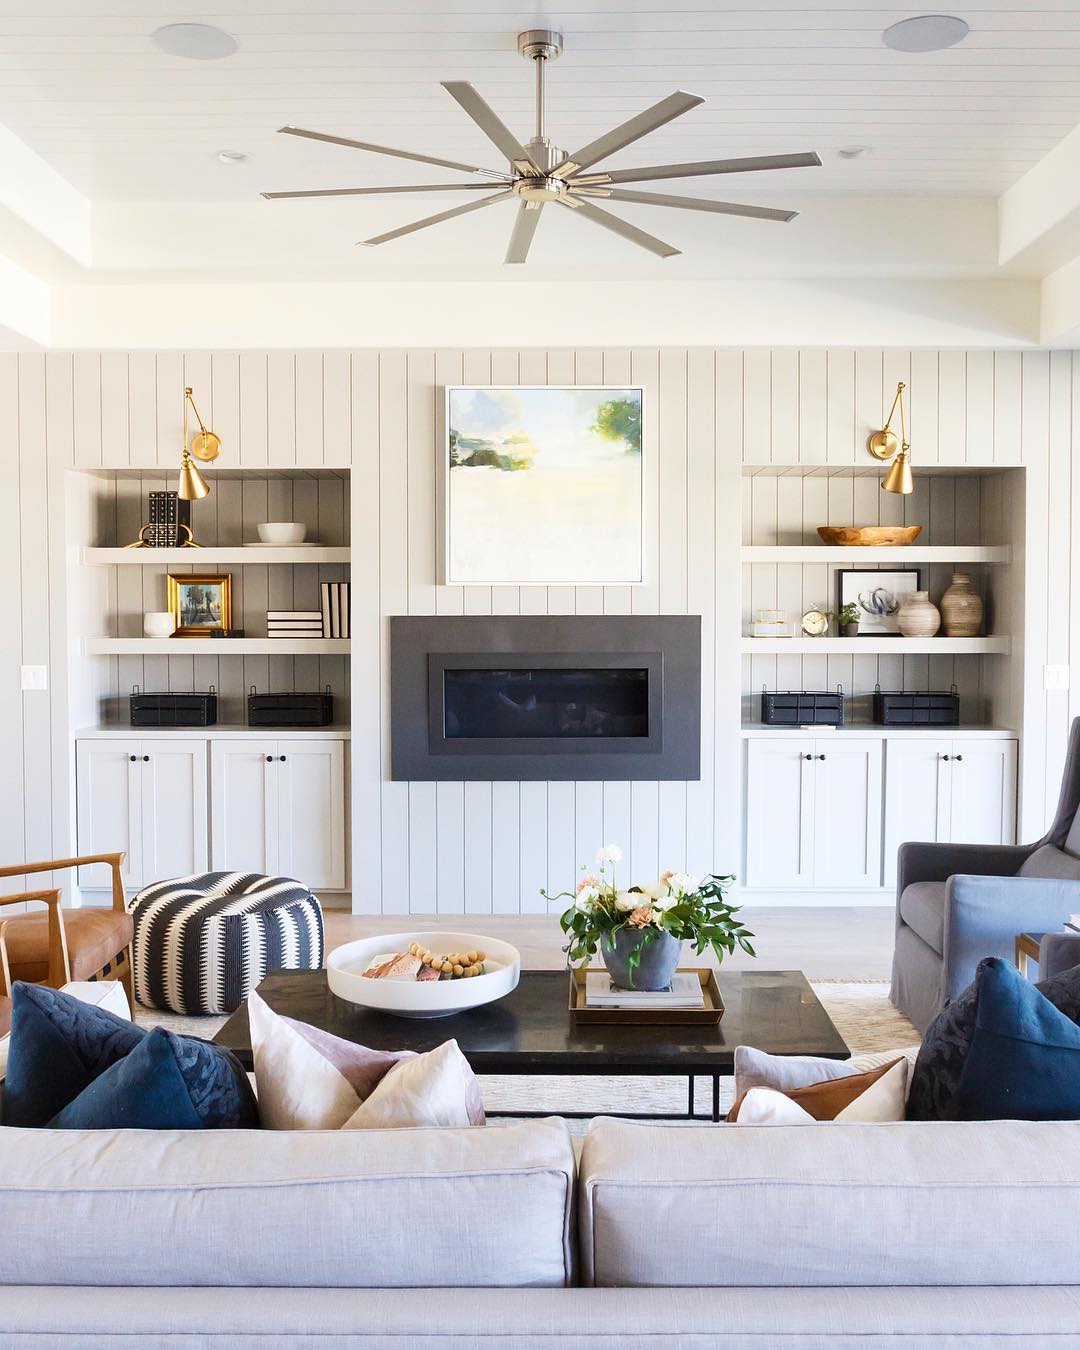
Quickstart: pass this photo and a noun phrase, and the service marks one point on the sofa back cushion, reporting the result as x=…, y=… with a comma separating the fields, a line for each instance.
x=892, y=1204
x=365, y=1209
x=1051, y=862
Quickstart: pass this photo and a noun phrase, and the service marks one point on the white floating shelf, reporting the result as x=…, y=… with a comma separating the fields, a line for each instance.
x=871, y=646
x=194, y=557
x=843, y=557
x=216, y=646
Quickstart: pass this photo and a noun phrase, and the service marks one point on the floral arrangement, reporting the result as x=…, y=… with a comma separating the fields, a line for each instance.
x=679, y=906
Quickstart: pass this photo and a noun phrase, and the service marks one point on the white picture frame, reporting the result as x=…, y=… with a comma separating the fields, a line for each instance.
x=572, y=528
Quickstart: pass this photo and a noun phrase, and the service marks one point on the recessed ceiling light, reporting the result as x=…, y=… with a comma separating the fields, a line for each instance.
x=926, y=33
x=853, y=151
x=196, y=41
x=232, y=156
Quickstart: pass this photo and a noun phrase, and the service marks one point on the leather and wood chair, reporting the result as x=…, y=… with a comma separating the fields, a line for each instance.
x=61, y=945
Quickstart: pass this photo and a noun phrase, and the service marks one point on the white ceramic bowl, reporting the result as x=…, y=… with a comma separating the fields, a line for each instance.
x=282, y=532
x=158, y=623
x=345, y=968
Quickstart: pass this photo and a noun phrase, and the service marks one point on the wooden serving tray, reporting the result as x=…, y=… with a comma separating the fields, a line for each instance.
x=649, y=1017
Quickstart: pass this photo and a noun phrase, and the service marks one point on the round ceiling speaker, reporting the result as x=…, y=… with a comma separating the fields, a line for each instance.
x=926, y=33
x=196, y=41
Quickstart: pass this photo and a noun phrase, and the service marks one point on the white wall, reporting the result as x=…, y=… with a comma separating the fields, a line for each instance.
x=483, y=846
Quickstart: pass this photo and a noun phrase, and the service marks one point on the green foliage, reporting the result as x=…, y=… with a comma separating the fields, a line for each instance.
x=703, y=918
x=511, y=455
x=849, y=613
x=620, y=420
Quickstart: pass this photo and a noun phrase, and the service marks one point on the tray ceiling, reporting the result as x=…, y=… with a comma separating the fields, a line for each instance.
x=124, y=122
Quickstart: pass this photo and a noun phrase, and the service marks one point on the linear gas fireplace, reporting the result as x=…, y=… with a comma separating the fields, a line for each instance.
x=508, y=697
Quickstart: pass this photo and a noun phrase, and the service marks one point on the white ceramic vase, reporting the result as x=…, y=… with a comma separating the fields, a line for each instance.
x=918, y=616
x=158, y=623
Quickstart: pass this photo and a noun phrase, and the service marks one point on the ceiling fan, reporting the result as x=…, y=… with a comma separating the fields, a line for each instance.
x=539, y=172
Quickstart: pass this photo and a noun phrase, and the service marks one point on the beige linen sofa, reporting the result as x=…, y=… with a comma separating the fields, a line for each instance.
x=685, y=1238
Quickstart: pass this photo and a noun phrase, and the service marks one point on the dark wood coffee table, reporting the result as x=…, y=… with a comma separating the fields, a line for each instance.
x=531, y=1032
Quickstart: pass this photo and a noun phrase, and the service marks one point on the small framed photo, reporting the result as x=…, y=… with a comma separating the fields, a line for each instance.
x=877, y=596
x=200, y=604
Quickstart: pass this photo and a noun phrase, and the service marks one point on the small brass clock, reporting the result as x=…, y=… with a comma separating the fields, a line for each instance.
x=815, y=623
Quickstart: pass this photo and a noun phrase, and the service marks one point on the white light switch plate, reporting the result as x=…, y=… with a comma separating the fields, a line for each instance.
x=35, y=677
x=1055, y=677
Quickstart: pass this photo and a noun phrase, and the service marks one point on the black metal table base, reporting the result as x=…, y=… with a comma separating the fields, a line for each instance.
x=688, y=1114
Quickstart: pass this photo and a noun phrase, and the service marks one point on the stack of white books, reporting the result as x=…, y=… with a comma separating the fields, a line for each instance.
x=684, y=992
x=294, y=623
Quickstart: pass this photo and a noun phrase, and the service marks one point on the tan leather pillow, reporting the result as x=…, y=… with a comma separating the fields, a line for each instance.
x=825, y=1101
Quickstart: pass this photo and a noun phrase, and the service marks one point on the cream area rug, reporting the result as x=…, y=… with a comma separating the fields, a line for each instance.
x=860, y=1010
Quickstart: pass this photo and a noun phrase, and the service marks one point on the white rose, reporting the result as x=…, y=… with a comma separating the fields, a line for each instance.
x=586, y=898
x=681, y=883
x=610, y=853
x=626, y=901
x=664, y=902
x=652, y=892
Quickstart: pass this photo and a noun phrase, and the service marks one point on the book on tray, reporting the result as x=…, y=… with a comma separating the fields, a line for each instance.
x=684, y=992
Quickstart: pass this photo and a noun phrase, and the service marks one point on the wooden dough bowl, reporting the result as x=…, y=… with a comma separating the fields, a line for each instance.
x=868, y=536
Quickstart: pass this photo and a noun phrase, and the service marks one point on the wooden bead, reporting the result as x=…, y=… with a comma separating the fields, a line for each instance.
x=480, y=957
x=459, y=969
x=473, y=958
x=447, y=968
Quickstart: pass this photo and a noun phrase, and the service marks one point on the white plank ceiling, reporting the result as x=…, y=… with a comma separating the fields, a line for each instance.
x=82, y=85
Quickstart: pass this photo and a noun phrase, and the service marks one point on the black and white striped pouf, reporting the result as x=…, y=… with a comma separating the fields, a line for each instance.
x=203, y=943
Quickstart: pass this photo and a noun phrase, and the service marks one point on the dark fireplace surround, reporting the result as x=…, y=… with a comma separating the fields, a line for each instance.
x=518, y=698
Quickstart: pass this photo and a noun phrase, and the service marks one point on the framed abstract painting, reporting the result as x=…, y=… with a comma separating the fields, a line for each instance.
x=544, y=485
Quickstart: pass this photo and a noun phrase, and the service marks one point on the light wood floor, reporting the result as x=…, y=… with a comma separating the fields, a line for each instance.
x=827, y=943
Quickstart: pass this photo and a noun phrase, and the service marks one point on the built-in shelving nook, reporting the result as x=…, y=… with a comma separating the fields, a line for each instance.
x=117, y=585
x=972, y=519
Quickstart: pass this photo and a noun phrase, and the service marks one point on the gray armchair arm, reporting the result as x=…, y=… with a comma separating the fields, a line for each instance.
x=1058, y=952
x=984, y=914
x=939, y=862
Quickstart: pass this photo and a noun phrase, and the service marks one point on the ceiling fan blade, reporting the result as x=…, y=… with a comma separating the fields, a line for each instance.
x=665, y=111
x=437, y=219
x=624, y=228
x=521, y=237
x=382, y=150
x=696, y=204
x=752, y=164
x=370, y=191
x=491, y=125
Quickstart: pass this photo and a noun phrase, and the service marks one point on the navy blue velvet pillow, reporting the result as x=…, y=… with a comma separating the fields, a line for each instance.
x=75, y=1066
x=1024, y=1059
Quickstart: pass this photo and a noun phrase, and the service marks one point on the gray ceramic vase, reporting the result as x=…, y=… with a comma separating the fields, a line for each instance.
x=659, y=960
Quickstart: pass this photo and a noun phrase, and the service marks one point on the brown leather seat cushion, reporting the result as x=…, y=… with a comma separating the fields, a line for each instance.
x=5, y=1016
x=94, y=938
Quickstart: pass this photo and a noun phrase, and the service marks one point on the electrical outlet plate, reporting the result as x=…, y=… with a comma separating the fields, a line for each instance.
x=35, y=677
x=1055, y=677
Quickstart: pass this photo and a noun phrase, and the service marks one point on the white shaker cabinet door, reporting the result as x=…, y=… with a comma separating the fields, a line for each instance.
x=983, y=792
x=311, y=812
x=174, y=814
x=109, y=808
x=244, y=806
x=779, y=813
x=917, y=789
x=847, y=811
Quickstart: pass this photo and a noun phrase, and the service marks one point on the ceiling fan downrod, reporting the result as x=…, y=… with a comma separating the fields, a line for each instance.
x=541, y=45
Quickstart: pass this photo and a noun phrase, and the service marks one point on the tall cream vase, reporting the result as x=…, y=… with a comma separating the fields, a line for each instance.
x=962, y=608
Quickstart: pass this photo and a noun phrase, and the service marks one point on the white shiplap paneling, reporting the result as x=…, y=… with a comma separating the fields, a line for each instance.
x=482, y=847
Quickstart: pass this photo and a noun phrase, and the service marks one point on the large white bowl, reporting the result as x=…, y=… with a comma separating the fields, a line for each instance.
x=345, y=968
x=282, y=532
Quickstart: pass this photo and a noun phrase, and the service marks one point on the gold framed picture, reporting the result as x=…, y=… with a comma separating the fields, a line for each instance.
x=200, y=603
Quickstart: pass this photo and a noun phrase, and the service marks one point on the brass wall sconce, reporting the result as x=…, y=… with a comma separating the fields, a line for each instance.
x=884, y=445
x=205, y=446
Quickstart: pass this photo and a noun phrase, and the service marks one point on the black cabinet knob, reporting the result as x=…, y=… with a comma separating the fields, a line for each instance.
x=946, y=758
x=821, y=756
x=959, y=759
x=146, y=759
x=133, y=758
x=282, y=758
x=808, y=756
x=269, y=759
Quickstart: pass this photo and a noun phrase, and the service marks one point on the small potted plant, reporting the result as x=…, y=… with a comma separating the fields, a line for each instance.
x=848, y=620
x=640, y=931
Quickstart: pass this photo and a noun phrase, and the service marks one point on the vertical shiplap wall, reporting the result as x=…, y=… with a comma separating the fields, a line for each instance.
x=489, y=847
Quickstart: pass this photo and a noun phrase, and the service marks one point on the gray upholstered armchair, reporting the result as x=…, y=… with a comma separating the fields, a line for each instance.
x=958, y=903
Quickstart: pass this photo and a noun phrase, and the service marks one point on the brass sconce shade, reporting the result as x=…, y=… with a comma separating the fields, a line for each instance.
x=192, y=485
x=203, y=445
x=884, y=445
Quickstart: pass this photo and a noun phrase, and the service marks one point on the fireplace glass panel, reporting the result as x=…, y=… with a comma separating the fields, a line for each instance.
x=548, y=703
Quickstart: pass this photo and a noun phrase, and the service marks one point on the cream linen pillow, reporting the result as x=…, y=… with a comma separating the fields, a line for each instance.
x=309, y=1080
x=883, y=1100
